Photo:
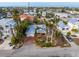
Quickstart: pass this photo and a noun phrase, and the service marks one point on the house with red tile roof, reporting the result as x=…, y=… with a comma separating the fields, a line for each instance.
x=27, y=17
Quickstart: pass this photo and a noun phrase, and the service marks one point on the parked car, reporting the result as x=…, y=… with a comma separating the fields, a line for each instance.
x=69, y=38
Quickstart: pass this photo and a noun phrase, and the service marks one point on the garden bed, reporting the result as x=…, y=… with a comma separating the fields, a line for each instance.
x=41, y=42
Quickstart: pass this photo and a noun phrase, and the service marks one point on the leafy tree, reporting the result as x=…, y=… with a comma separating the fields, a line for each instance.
x=68, y=33
x=74, y=30
x=37, y=20
x=65, y=22
x=0, y=35
x=63, y=10
x=49, y=15
x=16, y=15
x=20, y=28
x=20, y=31
x=4, y=12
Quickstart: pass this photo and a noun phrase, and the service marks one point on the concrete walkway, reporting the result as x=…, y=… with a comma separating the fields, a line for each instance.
x=5, y=45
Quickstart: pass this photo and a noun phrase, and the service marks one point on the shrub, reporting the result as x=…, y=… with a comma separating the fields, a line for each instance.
x=13, y=40
x=68, y=33
x=74, y=30
x=48, y=44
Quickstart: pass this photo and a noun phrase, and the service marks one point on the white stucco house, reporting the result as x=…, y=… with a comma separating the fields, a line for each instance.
x=61, y=15
x=73, y=23
x=7, y=24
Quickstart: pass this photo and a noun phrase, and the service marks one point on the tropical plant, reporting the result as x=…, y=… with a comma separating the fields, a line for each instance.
x=16, y=15
x=20, y=28
x=65, y=22
x=0, y=35
x=74, y=30
x=68, y=33
x=37, y=20
x=13, y=41
x=49, y=15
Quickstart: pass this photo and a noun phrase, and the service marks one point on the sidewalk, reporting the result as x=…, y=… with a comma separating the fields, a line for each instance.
x=5, y=45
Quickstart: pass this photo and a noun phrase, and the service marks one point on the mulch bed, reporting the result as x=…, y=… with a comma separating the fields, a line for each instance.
x=76, y=41
x=29, y=40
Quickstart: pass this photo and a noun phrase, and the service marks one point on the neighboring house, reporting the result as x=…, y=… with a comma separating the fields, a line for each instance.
x=63, y=28
x=44, y=13
x=9, y=14
x=73, y=23
x=62, y=15
x=30, y=32
x=7, y=24
x=27, y=17
x=31, y=13
x=41, y=28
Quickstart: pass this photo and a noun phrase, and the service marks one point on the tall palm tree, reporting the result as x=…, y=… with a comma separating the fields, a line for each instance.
x=56, y=34
x=16, y=16
x=16, y=19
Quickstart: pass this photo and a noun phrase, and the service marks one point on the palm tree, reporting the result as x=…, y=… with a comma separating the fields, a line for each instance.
x=17, y=20
x=53, y=27
x=56, y=33
x=65, y=22
x=16, y=16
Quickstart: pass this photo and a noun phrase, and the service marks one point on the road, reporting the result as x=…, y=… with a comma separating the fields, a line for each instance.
x=33, y=51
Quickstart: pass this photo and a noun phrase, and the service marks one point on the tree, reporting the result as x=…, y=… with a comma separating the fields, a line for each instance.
x=37, y=20
x=0, y=35
x=68, y=33
x=65, y=22
x=20, y=31
x=63, y=10
x=56, y=33
x=16, y=19
x=4, y=12
x=49, y=15
x=74, y=30
x=16, y=15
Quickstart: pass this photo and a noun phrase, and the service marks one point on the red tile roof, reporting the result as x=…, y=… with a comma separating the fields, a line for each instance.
x=26, y=16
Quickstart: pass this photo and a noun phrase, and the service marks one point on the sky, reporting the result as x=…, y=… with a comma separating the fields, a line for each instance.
x=39, y=4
